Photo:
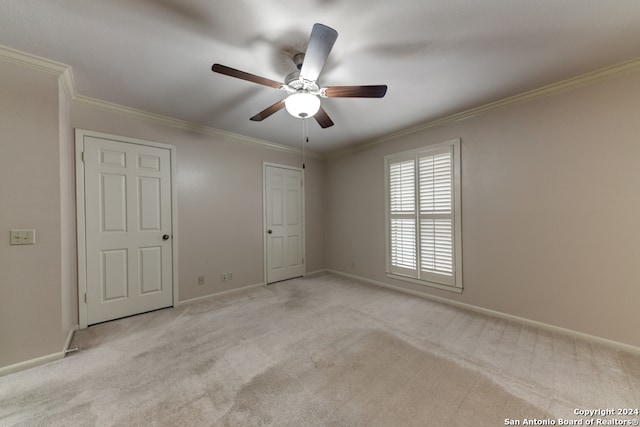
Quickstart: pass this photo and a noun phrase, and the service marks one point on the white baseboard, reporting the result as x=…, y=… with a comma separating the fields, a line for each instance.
x=522, y=320
x=315, y=273
x=6, y=370
x=218, y=294
x=31, y=363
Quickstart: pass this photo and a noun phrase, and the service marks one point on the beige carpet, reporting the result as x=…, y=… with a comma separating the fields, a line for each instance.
x=322, y=351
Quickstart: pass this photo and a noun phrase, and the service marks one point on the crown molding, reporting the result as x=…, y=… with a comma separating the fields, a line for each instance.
x=65, y=74
x=39, y=63
x=185, y=125
x=593, y=77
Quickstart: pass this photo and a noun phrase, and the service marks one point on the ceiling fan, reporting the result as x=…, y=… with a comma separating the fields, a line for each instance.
x=302, y=86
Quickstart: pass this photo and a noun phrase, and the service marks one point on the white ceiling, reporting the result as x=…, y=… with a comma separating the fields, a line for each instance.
x=438, y=57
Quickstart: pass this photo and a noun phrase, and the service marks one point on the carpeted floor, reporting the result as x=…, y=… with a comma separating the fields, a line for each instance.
x=321, y=351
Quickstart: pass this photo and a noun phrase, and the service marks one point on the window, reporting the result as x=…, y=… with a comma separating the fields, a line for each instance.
x=423, y=216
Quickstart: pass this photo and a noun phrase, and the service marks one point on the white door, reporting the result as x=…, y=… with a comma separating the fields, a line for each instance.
x=284, y=223
x=127, y=195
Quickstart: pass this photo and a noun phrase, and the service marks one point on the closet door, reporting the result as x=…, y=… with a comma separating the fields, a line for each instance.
x=284, y=222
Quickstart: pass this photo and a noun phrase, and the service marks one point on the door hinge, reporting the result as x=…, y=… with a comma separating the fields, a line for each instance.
x=85, y=298
x=82, y=156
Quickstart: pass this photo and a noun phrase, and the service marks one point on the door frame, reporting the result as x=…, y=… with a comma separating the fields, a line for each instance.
x=264, y=216
x=80, y=213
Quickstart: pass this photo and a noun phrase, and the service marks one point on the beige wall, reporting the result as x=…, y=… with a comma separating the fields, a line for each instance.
x=219, y=184
x=30, y=288
x=550, y=209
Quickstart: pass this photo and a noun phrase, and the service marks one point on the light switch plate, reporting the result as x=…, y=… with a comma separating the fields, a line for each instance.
x=23, y=237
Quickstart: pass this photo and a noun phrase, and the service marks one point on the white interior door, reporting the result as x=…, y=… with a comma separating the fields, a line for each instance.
x=127, y=195
x=284, y=223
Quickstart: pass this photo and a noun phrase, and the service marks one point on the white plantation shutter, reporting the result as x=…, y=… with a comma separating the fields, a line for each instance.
x=402, y=198
x=402, y=183
x=423, y=225
x=403, y=243
x=436, y=215
x=436, y=192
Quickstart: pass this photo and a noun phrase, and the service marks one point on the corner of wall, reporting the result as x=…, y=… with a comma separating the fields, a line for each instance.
x=68, y=247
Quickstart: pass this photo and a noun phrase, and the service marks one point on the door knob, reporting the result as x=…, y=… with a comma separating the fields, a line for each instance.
x=165, y=237
x=270, y=231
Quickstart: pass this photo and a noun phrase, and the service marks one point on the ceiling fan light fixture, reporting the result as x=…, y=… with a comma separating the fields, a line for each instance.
x=302, y=104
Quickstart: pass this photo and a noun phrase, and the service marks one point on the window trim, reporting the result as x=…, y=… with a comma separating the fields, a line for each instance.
x=457, y=216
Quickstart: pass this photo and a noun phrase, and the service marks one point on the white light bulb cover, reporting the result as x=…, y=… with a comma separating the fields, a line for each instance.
x=302, y=104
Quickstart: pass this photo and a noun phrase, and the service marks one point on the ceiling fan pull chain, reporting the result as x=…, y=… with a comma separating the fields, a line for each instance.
x=304, y=122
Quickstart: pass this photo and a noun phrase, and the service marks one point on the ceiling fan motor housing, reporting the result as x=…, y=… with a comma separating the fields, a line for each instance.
x=293, y=81
x=296, y=83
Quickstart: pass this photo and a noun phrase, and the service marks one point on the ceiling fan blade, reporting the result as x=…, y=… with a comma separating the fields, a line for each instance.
x=323, y=118
x=320, y=43
x=223, y=69
x=268, y=111
x=375, y=91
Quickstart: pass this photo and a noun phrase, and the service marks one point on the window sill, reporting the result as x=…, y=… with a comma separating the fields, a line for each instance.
x=425, y=283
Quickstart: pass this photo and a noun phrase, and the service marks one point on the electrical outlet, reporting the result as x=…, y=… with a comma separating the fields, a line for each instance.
x=224, y=277
x=230, y=275
x=200, y=280
x=23, y=237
